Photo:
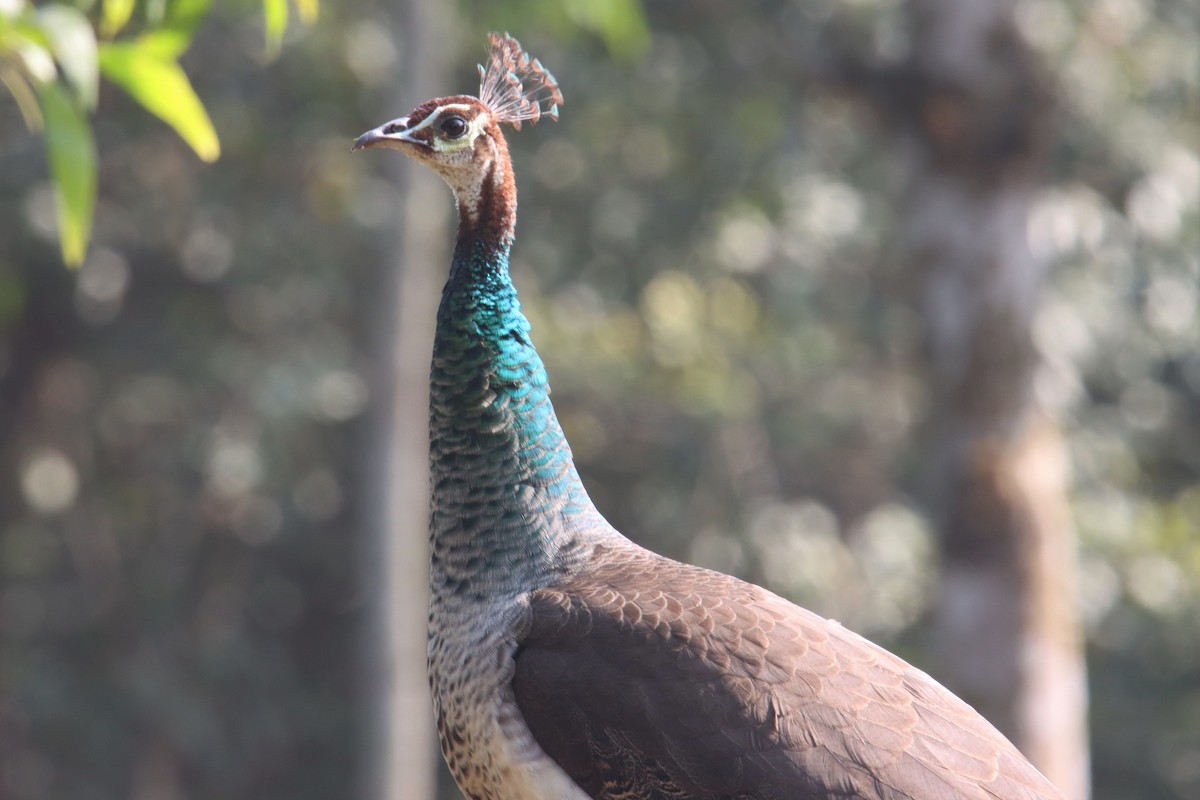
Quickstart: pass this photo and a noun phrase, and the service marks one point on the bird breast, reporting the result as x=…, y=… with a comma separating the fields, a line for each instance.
x=485, y=741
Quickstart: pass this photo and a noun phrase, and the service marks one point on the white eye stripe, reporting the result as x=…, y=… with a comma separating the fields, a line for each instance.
x=437, y=114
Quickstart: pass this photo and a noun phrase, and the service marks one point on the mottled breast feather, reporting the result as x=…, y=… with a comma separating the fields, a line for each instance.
x=646, y=678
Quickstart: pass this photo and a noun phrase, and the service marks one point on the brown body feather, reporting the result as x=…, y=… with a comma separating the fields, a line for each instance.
x=646, y=678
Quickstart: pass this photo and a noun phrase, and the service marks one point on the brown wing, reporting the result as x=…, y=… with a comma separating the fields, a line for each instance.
x=651, y=679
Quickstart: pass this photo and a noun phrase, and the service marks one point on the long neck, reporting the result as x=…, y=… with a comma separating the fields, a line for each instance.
x=507, y=501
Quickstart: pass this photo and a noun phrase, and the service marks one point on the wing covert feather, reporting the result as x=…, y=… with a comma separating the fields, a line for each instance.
x=650, y=679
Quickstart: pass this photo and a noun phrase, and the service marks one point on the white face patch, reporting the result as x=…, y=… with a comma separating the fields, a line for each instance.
x=440, y=144
x=437, y=115
x=446, y=140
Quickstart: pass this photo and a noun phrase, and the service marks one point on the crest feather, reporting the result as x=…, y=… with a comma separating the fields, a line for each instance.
x=515, y=87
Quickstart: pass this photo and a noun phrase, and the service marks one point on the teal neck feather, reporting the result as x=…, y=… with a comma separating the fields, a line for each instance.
x=508, y=504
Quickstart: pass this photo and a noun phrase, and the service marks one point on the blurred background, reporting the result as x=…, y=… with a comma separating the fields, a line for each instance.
x=892, y=307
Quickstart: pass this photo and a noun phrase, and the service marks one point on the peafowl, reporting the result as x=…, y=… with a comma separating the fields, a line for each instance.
x=567, y=662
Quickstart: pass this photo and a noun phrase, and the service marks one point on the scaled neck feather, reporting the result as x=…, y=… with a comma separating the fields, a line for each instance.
x=508, y=505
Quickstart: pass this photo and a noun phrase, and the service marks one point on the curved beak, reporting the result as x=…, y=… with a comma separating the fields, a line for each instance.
x=394, y=134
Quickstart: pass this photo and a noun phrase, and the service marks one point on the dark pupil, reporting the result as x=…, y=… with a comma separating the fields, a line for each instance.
x=454, y=127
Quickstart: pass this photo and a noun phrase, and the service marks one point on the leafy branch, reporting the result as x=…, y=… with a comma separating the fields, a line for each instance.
x=53, y=55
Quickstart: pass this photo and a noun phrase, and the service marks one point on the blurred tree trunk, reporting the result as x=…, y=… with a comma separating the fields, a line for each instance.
x=975, y=130
x=403, y=764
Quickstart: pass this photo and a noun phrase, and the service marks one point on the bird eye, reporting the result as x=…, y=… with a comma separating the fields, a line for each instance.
x=454, y=127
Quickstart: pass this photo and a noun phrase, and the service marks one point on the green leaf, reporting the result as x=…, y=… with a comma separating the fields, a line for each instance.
x=185, y=16
x=115, y=16
x=172, y=37
x=161, y=86
x=32, y=48
x=72, y=156
x=275, y=18
x=165, y=43
x=21, y=91
x=73, y=43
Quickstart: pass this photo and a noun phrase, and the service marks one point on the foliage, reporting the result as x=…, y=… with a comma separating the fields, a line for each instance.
x=34, y=39
x=619, y=24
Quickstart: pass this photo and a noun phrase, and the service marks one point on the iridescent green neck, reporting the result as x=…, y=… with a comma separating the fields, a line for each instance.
x=507, y=500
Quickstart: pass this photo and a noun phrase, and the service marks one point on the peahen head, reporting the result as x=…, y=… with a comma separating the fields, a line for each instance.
x=459, y=137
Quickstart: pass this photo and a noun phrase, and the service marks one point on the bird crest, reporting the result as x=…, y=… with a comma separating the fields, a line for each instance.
x=515, y=87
